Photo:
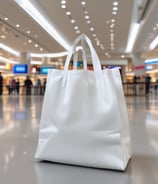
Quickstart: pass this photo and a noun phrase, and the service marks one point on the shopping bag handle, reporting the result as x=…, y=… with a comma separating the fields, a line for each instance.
x=83, y=56
x=75, y=59
x=95, y=59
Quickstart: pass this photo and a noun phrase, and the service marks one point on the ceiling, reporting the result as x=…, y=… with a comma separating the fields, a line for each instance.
x=108, y=24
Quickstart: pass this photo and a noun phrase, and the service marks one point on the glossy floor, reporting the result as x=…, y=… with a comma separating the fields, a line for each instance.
x=19, y=123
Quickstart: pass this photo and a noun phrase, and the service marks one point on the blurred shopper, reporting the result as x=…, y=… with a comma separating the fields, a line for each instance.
x=11, y=86
x=147, y=84
x=1, y=84
x=28, y=85
x=17, y=86
x=38, y=86
x=44, y=84
x=134, y=84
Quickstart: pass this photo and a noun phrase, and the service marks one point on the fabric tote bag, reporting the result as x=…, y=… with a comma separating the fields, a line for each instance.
x=84, y=117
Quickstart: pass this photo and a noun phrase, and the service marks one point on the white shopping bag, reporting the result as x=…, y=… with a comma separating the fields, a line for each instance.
x=84, y=117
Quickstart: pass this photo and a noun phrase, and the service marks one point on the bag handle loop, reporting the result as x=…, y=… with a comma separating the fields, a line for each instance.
x=75, y=59
x=95, y=59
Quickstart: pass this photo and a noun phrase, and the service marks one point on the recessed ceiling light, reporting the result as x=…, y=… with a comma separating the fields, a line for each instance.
x=28, y=32
x=85, y=12
x=68, y=13
x=6, y=18
x=86, y=17
x=112, y=25
x=72, y=21
x=77, y=31
x=36, y=45
x=30, y=41
x=75, y=27
x=113, y=20
x=112, y=39
x=63, y=6
x=122, y=56
x=88, y=21
x=115, y=8
x=17, y=25
x=94, y=35
x=91, y=29
x=83, y=3
x=41, y=49
x=114, y=12
x=115, y=3
x=63, y=2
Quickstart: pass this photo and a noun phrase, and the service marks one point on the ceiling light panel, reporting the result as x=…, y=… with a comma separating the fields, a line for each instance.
x=70, y=16
x=43, y=21
x=17, y=33
x=90, y=24
x=113, y=24
x=10, y=50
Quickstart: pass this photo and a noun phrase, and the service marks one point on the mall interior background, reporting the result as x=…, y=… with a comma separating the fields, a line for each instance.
x=36, y=35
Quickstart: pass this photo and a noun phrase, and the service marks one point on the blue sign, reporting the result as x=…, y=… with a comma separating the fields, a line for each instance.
x=44, y=70
x=20, y=69
x=151, y=62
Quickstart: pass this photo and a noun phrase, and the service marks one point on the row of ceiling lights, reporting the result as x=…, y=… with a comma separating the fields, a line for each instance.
x=29, y=40
x=89, y=23
x=87, y=19
x=112, y=23
x=69, y=14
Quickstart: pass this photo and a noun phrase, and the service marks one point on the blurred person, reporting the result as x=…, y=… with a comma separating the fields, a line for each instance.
x=44, y=85
x=38, y=86
x=17, y=86
x=11, y=85
x=147, y=84
x=1, y=84
x=134, y=84
x=28, y=85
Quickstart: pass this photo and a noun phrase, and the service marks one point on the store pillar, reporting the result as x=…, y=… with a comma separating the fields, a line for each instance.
x=25, y=58
x=138, y=65
x=44, y=60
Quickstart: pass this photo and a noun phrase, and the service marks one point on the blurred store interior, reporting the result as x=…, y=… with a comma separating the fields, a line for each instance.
x=36, y=35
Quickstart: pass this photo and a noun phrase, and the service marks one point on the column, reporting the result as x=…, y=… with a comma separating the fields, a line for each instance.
x=25, y=58
x=138, y=64
x=139, y=78
x=44, y=61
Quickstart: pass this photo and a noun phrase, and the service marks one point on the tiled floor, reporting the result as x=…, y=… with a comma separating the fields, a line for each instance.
x=19, y=123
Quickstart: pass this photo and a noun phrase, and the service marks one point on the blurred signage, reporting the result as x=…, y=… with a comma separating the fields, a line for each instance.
x=20, y=69
x=139, y=67
x=44, y=70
